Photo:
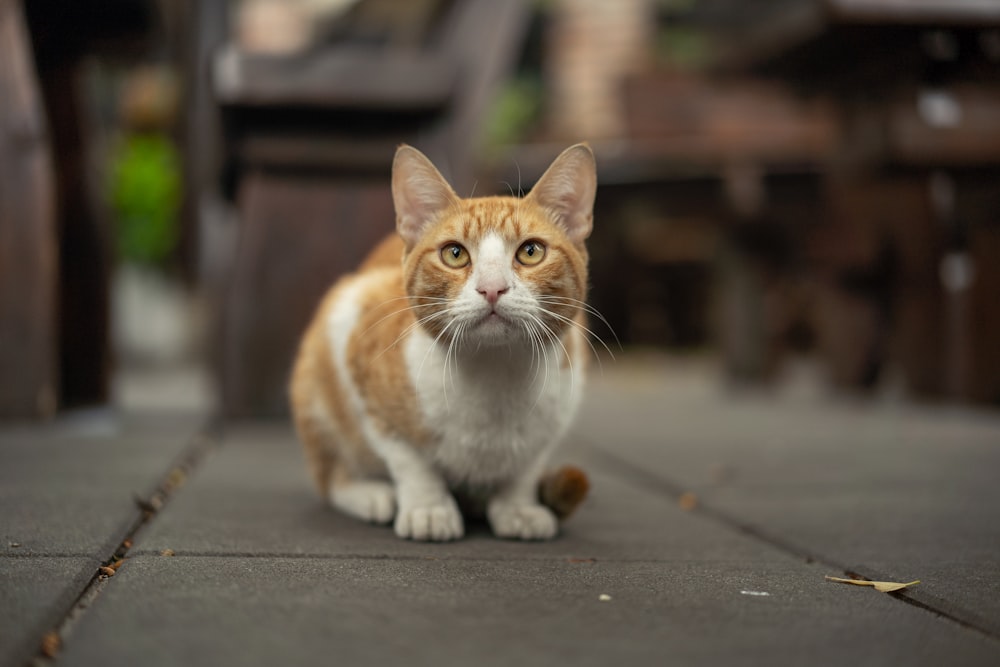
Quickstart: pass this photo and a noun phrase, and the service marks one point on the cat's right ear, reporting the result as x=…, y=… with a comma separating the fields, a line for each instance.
x=419, y=193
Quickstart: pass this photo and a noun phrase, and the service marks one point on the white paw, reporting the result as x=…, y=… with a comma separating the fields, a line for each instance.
x=522, y=521
x=369, y=501
x=436, y=521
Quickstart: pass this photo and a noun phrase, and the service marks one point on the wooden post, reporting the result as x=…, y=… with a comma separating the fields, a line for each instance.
x=28, y=250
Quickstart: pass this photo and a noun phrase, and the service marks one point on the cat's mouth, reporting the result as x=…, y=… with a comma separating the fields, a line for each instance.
x=494, y=326
x=493, y=321
x=493, y=317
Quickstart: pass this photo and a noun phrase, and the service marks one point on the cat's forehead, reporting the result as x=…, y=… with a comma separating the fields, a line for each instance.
x=507, y=217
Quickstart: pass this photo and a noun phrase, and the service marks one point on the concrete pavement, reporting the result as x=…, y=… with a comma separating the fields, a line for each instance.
x=713, y=519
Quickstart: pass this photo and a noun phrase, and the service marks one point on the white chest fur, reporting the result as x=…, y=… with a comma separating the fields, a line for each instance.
x=494, y=412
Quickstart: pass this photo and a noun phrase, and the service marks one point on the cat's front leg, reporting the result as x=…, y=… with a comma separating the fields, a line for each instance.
x=516, y=513
x=426, y=510
x=428, y=517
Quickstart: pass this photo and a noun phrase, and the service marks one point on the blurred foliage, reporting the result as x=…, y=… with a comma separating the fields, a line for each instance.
x=145, y=194
x=516, y=112
x=682, y=47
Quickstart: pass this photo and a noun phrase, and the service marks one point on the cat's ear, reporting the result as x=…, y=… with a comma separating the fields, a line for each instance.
x=567, y=190
x=419, y=193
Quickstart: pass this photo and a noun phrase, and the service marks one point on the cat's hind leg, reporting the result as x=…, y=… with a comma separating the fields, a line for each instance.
x=371, y=500
x=368, y=499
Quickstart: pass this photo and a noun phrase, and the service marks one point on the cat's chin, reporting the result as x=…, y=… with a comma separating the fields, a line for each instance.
x=494, y=330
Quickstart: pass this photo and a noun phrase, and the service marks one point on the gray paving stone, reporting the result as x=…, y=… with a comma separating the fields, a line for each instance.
x=66, y=502
x=212, y=610
x=909, y=491
x=266, y=573
x=68, y=488
x=253, y=497
x=34, y=594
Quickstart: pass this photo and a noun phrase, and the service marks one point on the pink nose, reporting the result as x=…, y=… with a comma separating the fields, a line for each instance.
x=492, y=292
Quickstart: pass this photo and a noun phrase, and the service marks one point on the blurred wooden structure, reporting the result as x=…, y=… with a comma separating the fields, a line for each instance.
x=309, y=142
x=711, y=179
x=29, y=369
x=907, y=265
x=54, y=274
x=830, y=185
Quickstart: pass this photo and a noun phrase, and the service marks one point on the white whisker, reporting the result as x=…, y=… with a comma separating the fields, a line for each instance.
x=430, y=347
x=585, y=307
x=394, y=313
x=573, y=323
x=551, y=335
x=543, y=360
x=413, y=325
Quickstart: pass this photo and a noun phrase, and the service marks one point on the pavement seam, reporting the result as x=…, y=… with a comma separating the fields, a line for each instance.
x=190, y=458
x=403, y=557
x=664, y=486
x=46, y=554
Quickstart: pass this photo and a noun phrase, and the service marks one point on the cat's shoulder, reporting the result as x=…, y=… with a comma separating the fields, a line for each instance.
x=376, y=276
x=388, y=253
x=372, y=293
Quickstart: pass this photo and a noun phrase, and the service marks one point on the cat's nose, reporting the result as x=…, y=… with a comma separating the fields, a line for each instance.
x=492, y=292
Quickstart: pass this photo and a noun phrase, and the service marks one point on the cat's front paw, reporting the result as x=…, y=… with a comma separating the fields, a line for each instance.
x=522, y=521
x=372, y=501
x=437, y=521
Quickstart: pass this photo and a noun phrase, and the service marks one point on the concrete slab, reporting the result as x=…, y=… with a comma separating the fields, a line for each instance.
x=67, y=488
x=34, y=594
x=267, y=573
x=906, y=491
x=210, y=610
x=252, y=496
x=66, y=502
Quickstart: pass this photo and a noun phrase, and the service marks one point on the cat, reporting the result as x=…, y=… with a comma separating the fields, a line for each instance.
x=440, y=376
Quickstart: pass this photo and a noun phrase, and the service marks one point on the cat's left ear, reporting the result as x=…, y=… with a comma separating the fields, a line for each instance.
x=419, y=192
x=567, y=190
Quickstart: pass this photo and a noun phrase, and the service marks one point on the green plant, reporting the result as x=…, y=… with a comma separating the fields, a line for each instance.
x=145, y=194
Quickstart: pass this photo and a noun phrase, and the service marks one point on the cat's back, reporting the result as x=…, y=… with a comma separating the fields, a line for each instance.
x=378, y=275
x=353, y=340
x=363, y=308
x=388, y=253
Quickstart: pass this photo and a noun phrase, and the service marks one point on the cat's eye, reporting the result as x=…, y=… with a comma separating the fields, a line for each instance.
x=455, y=256
x=530, y=253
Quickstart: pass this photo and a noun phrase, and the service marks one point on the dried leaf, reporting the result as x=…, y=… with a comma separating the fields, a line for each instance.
x=106, y=571
x=881, y=586
x=890, y=586
x=51, y=643
x=688, y=501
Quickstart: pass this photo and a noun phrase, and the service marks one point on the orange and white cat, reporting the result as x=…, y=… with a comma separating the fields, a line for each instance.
x=451, y=363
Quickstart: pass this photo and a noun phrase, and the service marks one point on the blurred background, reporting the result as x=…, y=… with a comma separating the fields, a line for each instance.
x=784, y=184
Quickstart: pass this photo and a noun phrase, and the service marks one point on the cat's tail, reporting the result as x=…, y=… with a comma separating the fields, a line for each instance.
x=563, y=490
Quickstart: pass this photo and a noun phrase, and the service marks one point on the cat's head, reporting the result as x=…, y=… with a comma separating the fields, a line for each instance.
x=495, y=270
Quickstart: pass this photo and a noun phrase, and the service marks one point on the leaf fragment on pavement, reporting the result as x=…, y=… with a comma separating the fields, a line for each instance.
x=687, y=501
x=881, y=586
